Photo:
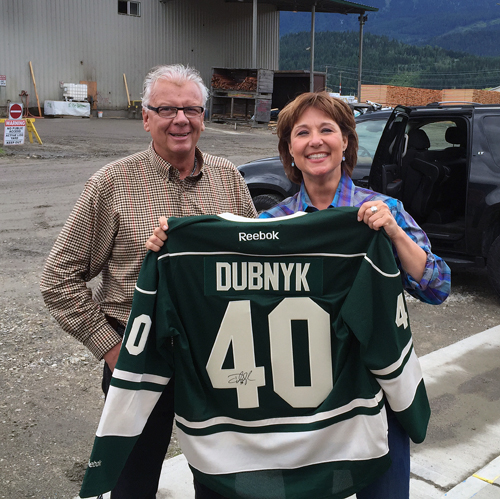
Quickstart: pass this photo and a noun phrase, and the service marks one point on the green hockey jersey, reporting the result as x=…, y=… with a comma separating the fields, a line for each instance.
x=287, y=336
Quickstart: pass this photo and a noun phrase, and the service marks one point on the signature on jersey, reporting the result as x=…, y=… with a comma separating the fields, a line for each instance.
x=241, y=378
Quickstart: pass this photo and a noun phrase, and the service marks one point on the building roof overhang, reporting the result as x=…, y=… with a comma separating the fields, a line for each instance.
x=331, y=6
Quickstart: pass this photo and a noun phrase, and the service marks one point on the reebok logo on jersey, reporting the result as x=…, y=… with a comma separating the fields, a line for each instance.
x=94, y=464
x=242, y=276
x=258, y=236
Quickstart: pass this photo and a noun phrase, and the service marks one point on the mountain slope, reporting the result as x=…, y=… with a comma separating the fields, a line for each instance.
x=387, y=62
x=467, y=26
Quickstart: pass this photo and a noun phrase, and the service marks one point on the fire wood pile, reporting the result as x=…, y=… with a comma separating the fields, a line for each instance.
x=249, y=84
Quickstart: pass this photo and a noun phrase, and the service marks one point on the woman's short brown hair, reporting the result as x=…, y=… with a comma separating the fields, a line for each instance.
x=336, y=109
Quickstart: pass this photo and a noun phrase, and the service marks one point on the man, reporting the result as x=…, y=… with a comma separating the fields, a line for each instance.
x=108, y=228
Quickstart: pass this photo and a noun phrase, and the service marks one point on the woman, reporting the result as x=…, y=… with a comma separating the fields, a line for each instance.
x=318, y=147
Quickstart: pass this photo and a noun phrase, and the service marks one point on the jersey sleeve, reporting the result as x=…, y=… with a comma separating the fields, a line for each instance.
x=144, y=368
x=375, y=311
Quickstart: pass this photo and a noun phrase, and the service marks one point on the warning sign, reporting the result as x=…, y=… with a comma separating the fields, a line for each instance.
x=13, y=134
x=3, y=80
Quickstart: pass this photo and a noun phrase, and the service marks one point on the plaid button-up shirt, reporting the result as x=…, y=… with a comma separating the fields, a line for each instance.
x=107, y=230
x=435, y=285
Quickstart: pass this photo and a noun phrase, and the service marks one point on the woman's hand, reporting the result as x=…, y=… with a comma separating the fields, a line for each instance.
x=159, y=236
x=377, y=215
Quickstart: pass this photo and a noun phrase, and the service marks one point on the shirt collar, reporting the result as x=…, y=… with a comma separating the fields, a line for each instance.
x=345, y=191
x=167, y=170
x=343, y=195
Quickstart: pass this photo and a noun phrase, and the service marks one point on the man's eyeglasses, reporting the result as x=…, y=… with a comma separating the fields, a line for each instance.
x=171, y=111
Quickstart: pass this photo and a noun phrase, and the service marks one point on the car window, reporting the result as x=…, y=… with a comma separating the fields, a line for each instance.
x=492, y=132
x=369, y=133
x=436, y=132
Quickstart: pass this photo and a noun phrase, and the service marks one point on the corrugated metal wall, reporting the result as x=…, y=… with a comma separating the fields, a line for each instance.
x=87, y=40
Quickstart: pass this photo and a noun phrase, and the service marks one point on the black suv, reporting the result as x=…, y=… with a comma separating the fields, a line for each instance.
x=443, y=162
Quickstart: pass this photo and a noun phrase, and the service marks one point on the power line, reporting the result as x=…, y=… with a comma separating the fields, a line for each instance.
x=418, y=77
x=367, y=71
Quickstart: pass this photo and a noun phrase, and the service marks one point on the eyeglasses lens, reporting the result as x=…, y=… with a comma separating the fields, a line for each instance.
x=171, y=112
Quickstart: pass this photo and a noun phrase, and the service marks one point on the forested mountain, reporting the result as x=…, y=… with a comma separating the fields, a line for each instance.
x=471, y=26
x=387, y=61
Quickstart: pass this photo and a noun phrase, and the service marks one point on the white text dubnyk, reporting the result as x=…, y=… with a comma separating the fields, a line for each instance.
x=275, y=276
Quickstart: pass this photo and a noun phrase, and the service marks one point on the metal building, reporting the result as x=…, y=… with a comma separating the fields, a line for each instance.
x=69, y=41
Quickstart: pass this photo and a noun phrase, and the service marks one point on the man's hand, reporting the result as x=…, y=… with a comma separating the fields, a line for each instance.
x=156, y=241
x=111, y=357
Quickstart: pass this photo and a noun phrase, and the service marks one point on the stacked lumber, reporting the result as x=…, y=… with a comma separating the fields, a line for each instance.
x=472, y=95
x=412, y=96
x=223, y=82
x=374, y=93
x=486, y=96
x=389, y=95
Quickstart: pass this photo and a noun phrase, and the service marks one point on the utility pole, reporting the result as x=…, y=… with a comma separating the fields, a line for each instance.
x=313, y=27
x=328, y=88
x=362, y=20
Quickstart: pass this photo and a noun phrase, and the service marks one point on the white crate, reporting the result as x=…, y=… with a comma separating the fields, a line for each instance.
x=75, y=91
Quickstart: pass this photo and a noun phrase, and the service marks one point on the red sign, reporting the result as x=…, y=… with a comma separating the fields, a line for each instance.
x=15, y=111
x=15, y=122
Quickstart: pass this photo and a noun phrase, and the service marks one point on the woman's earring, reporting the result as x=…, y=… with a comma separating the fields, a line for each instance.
x=293, y=163
x=343, y=155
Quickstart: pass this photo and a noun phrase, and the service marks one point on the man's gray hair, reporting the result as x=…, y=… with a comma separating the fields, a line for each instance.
x=176, y=73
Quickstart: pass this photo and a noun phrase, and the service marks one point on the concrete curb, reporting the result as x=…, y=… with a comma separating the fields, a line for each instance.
x=465, y=375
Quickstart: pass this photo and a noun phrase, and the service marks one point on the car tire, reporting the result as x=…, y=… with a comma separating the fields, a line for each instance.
x=493, y=264
x=264, y=202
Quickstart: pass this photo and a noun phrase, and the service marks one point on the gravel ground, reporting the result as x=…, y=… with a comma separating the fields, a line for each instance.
x=51, y=398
